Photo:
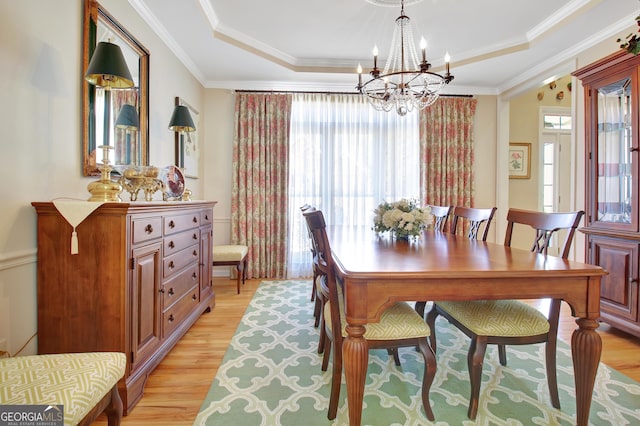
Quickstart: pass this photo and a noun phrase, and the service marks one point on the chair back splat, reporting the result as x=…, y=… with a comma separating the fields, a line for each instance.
x=474, y=217
x=440, y=216
x=545, y=225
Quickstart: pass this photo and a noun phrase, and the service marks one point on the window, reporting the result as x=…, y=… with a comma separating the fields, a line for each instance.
x=345, y=158
x=557, y=122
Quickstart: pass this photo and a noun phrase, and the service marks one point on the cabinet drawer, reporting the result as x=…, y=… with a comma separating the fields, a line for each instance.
x=179, y=260
x=146, y=228
x=179, y=285
x=175, y=315
x=175, y=243
x=183, y=222
x=206, y=217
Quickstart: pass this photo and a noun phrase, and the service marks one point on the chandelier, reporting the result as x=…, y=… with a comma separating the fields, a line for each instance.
x=405, y=83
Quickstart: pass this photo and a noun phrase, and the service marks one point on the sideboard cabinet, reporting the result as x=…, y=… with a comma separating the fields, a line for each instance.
x=612, y=119
x=141, y=277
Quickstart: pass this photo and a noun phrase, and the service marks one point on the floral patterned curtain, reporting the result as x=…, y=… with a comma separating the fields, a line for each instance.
x=260, y=179
x=446, y=149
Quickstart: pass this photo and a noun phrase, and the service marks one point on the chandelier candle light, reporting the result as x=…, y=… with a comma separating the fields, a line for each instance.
x=405, y=83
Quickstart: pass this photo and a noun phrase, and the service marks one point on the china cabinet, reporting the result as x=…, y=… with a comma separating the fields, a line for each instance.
x=612, y=229
x=140, y=278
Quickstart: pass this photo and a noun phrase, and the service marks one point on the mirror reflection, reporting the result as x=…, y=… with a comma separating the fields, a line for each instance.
x=117, y=117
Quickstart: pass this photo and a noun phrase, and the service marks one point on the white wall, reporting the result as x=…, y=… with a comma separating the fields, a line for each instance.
x=485, y=170
x=40, y=110
x=220, y=105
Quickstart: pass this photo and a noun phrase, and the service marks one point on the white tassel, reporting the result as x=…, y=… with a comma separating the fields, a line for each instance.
x=74, y=242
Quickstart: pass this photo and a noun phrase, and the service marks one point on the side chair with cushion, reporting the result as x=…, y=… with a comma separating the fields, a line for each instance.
x=318, y=293
x=399, y=326
x=304, y=208
x=511, y=322
x=474, y=218
x=232, y=255
x=440, y=216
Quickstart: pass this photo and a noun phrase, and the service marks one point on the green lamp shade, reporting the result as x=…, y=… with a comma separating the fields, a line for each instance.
x=127, y=117
x=108, y=68
x=181, y=120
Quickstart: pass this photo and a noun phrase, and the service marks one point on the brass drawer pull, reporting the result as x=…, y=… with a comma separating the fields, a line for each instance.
x=171, y=318
x=195, y=253
x=172, y=224
x=194, y=276
x=171, y=244
x=171, y=292
x=194, y=297
x=171, y=265
x=148, y=229
x=195, y=219
x=195, y=236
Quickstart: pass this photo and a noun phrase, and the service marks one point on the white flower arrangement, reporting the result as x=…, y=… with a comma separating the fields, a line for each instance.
x=404, y=218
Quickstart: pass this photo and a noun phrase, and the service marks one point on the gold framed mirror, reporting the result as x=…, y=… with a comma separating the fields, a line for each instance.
x=131, y=144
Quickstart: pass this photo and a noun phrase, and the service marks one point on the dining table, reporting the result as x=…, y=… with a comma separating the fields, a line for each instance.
x=377, y=270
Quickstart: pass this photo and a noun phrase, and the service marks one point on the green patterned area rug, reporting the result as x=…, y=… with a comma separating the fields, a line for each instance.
x=271, y=376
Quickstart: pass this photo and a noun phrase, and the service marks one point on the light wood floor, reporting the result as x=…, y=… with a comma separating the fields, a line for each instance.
x=175, y=390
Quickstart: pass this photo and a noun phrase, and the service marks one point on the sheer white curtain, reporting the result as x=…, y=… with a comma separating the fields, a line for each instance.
x=346, y=158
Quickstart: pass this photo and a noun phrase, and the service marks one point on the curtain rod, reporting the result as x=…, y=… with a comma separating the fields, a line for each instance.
x=286, y=92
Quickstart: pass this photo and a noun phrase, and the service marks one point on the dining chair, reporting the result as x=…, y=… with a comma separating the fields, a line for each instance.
x=511, y=322
x=440, y=216
x=473, y=218
x=399, y=325
x=317, y=292
x=303, y=208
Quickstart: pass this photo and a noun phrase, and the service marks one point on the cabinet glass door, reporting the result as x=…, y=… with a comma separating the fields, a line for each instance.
x=616, y=184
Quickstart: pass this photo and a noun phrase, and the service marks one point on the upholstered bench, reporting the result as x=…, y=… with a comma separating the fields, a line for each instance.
x=232, y=255
x=86, y=384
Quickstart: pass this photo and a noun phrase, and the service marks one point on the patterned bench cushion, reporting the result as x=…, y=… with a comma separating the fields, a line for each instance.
x=77, y=381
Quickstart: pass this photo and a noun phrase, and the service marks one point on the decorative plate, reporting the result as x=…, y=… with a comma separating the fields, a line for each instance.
x=173, y=180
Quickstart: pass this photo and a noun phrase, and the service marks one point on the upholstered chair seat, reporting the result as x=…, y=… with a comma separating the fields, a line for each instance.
x=399, y=321
x=509, y=318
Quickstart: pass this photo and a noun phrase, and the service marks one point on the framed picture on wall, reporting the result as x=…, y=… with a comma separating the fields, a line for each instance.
x=188, y=144
x=519, y=160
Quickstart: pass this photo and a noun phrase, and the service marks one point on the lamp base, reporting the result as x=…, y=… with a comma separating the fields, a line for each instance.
x=105, y=190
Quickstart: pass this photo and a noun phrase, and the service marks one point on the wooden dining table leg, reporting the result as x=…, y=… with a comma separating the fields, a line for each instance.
x=586, y=348
x=355, y=356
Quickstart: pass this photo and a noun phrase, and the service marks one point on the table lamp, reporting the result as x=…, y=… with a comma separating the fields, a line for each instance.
x=128, y=121
x=181, y=121
x=107, y=69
